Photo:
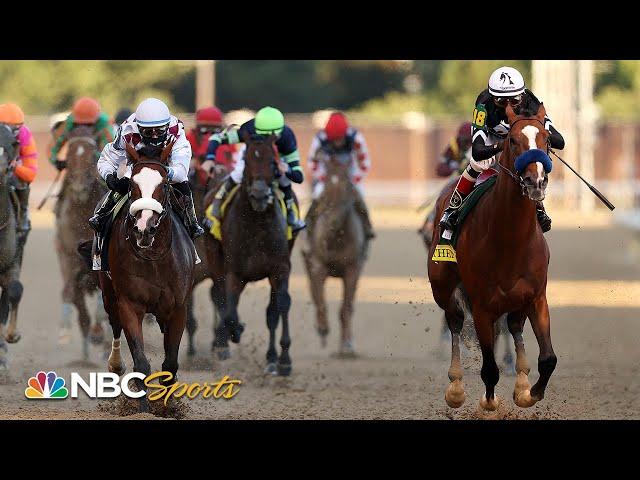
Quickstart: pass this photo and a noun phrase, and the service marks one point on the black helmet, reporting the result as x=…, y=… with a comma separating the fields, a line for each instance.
x=122, y=115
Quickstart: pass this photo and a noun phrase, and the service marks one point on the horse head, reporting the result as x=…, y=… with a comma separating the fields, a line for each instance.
x=261, y=159
x=526, y=151
x=337, y=168
x=82, y=148
x=148, y=191
x=8, y=152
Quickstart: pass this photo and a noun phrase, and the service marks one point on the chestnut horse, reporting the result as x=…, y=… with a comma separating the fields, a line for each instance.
x=151, y=260
x=254, y=246
x=502, y=262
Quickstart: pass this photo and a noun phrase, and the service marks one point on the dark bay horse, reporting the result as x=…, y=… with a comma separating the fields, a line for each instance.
x=10, y=250
x=81, y=190
x=203, y=184
x=151, y=260
x=502, y=262
x=337, y=247
x=254, y=246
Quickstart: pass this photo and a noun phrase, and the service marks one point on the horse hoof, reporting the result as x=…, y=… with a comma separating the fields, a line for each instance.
x=455, y=396
x=490, y=405
x=271, y=369
x=119, y=370
x=284, y=370
x=222, y=353
x=13, y=337
x=524, y=399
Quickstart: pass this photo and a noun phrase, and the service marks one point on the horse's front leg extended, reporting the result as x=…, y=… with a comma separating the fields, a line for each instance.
x=172, y=337
x=284, y=304
x=350, y=284
x=220, y=343
x=14, y=294
x=234, y=287
x=192, y=326
x=540, y=322
x=130, y=316
x=273, y=315
x=485, y=329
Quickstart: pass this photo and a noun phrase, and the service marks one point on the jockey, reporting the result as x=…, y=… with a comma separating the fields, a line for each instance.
x=490, y=127
x=337, y=137
x=152, y=126
x=268, y=120
x=86, y=111
x=209, y=121
x=456, y=156
x=26, y=164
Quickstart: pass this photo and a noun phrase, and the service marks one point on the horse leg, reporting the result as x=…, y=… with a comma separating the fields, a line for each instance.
x=454, y=395
x=64, y=335
x=172, y=336
x=317, y=276
x=96, y=333
x=539, y=317
x=234, y=287
x=130, y=317
x=115, y=364
x=284, y=304
x=507, y=359
x=14, y=295
x=220, y=343
x=485, y=328
x=83, y=319
x=191, y=326
x=4, y=312
x=350, y=284
x=521, y=391
x=273, y=315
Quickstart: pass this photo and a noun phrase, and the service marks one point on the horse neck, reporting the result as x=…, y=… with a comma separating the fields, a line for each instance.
x=247, y=210
x=335, y=203
x=511, y=208
x=5, y=203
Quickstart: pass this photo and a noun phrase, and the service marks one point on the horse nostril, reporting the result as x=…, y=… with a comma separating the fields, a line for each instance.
x=136, y=229
x=152, y=230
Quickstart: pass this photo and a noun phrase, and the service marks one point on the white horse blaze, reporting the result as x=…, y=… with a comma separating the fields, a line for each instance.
x=531, y=132
x=147, y=180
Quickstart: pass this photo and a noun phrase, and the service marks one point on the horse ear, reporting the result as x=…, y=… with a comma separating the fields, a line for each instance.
x=131, y=152
x=542, y=112
x=511, y=115
x=166, y=151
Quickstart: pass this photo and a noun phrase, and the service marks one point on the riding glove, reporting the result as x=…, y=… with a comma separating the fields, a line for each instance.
x=120, y=185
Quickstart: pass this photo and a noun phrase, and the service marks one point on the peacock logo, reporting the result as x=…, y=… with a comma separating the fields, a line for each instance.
x=45, y=386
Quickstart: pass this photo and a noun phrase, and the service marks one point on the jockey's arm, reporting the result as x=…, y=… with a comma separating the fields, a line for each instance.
x=363, y=158
x=179, y=160
x=226, y=137
x=110, y=157
x=312, y=160
x=480, y=151
x=288, y=149
x=28, y=168
x=60, y=141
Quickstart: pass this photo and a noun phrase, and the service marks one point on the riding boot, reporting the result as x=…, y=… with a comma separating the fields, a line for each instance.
x=292, y=220
x=362, y=210
x=101, y=213
x=221, y=194
x=463, y=188
x=543, y=219
x=195, y=230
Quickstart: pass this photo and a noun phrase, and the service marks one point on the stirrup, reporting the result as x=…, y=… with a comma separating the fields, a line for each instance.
x=449, y=218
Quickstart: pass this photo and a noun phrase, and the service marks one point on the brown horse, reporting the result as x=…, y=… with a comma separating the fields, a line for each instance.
x=203, y=185
x=81, y=190
x=337, y=248
x=502, y=262
x=151, y=260
x=254, y=246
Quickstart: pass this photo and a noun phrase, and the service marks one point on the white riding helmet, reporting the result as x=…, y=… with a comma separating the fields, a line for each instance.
x=506, y=82
x=152, y=113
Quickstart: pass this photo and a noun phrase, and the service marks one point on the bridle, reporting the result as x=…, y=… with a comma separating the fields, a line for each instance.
x=167, y=192
x=516, y=176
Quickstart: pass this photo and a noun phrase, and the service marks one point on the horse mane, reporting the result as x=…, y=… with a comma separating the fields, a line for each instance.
x=149, y=152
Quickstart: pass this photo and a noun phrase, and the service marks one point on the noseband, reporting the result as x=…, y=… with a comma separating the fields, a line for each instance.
x=516, y=176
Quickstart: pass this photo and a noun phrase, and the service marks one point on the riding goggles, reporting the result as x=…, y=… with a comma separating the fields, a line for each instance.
x=151, y=132
x=209, y=130
x=502, y=101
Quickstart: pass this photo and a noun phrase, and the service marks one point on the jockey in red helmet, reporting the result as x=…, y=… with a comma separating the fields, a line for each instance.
x=338, y=137
x=456, y=156
x=210, y=120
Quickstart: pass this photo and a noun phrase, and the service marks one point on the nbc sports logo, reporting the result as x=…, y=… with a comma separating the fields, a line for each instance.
x=46, y=386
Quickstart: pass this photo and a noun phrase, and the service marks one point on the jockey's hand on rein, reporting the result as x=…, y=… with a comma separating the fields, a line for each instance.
x=120, y=185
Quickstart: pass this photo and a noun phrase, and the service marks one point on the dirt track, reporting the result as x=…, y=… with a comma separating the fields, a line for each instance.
x=401, y=373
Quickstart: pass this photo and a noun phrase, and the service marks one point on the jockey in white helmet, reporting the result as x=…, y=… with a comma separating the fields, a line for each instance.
x=489, y=128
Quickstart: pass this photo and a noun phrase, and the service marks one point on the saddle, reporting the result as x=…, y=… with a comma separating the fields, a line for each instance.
x=445, y=250
x=215, y=224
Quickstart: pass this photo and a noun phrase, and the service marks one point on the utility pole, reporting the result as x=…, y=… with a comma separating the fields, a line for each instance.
x=205, y=83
